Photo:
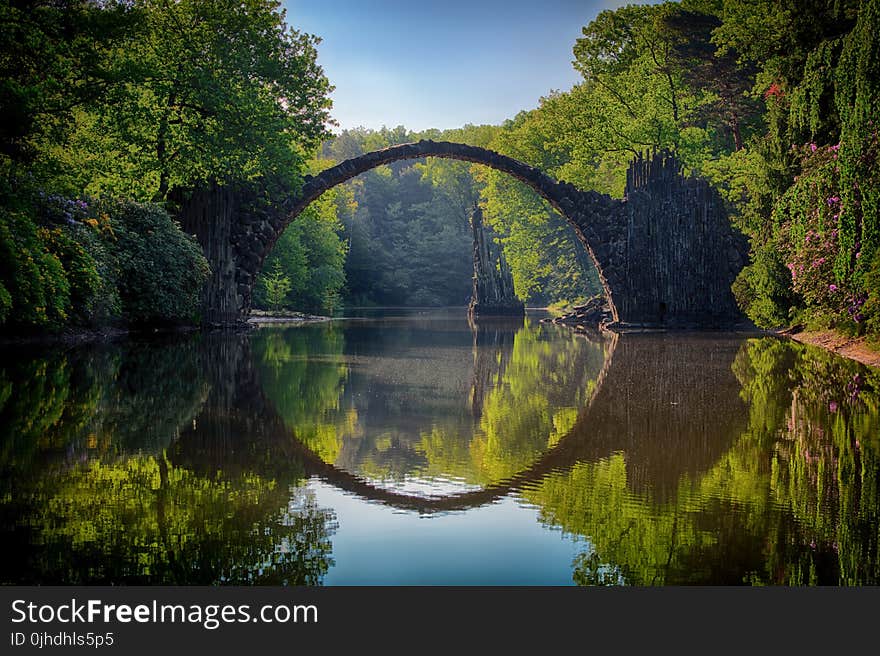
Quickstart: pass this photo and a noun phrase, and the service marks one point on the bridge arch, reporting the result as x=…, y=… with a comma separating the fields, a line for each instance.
x=561, y=196
x=666, y=253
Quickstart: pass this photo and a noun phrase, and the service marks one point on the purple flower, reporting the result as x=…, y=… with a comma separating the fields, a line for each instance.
x=832, y=288
x=833, y=200
x=834, y=148
x=812, y=148
x=832, y=407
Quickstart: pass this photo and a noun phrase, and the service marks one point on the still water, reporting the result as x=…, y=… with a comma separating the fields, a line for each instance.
x=412, y=447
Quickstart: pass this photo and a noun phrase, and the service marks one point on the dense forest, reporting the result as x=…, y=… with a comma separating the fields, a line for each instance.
x=114, y=111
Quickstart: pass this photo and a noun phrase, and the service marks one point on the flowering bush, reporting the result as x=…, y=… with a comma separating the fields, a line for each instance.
x=808, y=220
x=811, y=265
x=161, y=269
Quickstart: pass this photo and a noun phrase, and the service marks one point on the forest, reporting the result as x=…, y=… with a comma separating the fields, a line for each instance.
x=116, y=111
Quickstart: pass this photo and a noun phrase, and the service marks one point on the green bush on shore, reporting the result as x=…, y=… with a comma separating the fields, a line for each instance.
x=73, y=263
x=161, y=269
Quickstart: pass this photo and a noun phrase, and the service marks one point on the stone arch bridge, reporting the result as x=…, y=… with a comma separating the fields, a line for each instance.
x=665, y=253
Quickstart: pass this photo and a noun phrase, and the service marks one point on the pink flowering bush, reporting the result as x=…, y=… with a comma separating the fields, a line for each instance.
x=811, y=264
x=807, y=222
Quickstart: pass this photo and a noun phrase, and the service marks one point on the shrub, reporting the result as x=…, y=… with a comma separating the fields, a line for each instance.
x=95, y=238
x=35, y=291
x=80, y=268
x=763, y=289
x=161, y=269
x=871, y=303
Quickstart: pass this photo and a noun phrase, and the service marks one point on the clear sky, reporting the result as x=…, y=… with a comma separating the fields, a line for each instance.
x=442, y=64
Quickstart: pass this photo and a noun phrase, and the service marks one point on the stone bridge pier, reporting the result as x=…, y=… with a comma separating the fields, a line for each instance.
x=666, y=253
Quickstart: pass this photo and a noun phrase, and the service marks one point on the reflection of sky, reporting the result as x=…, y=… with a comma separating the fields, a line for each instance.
x=431, y=487
x=442, y=64
x=499, y=544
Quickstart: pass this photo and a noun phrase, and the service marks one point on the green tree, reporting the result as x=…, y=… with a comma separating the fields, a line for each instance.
x=277, y=286
x=55, y=59
x=222, y=91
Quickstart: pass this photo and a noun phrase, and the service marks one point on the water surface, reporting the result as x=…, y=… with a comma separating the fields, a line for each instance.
x=413, y=447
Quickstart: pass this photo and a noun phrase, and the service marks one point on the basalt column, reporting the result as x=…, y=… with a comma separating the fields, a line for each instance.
x=681, y=254
x=493, y=283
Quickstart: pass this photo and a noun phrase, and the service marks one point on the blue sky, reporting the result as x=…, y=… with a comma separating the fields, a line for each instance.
x=442, y=64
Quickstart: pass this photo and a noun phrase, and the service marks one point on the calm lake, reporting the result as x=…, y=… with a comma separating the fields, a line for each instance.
x=412, y=447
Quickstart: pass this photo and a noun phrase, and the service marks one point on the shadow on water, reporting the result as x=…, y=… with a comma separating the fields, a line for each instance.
x=669, y=458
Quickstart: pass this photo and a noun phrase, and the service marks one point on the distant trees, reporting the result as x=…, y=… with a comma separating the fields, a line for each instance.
x=406, y=226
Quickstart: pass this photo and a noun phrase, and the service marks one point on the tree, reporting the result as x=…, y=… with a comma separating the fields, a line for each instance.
x=709, y=73
x=223, y=91
x=54, y=60
x=277, y=286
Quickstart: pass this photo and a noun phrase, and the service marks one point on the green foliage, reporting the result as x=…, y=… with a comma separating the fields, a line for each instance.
x=81, y=270
x=858, y=103
x=161, y=270
x=276, y=285
x=310, y=255
x=872, y=301
x=221, y=91
x=304, y=374
x=77, y=263
x=36, y=291
x=54, y=58
x=407, y=225
x=763, y=288
x=5, y=303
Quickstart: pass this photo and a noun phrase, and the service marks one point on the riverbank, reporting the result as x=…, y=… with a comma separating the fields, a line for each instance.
x=854, y=348
x=594, y=316
x=260, y=317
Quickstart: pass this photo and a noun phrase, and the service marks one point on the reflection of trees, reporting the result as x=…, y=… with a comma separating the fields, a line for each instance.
x=388, y=414
x=793, y=499
x=104, y=480
x=537, y=392
x=302, y=372
x=139, y=520
x=97, y=401
x=41, y=411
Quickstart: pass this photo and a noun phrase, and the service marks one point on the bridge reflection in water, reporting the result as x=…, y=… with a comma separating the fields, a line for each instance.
x=664, y=458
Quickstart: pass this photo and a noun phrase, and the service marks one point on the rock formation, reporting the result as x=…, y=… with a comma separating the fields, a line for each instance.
x=492, y=294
